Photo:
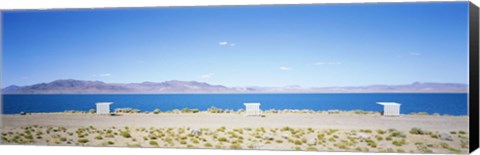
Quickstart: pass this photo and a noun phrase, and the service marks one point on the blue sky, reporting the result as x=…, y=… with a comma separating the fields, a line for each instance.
x=306, y=45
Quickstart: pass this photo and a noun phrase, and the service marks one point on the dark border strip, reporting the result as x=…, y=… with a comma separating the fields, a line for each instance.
x=474, y=77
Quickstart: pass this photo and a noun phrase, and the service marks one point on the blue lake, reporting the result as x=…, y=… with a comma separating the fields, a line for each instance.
x=442, y=103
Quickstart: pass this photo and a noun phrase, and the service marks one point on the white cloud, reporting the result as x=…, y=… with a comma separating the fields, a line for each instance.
x=327, y=63
x=223, y=43
x=285, y=68
x=206, y=76
x=415, y=54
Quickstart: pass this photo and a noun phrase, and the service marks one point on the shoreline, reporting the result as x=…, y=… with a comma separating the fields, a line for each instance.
x=316, y=120
x=214, y=110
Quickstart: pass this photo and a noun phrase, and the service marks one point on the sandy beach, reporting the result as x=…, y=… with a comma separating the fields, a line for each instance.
x=294, y=131
x=206, y=120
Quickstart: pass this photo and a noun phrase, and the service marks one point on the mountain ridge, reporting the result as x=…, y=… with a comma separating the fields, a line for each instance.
x=71, y=86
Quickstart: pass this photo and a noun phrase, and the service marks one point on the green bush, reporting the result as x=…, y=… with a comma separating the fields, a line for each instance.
x=208, y=145
x=153, y=143
x=398, y=134
x=82, y=140
x=214, y=110
x=235, y=146
x=297, y=142
x=183, y=142
x=312, y=148
x=92, y=111
x=125, y=134
x=63, y=139
x=381, y=132
x=417, y=131
x=156, y=111
x=222, y=139
x=399, y=142
x=98, y=137
x=371, y=143
x=186, y=110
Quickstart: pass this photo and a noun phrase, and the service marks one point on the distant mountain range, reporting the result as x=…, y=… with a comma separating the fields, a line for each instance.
x=98, y=87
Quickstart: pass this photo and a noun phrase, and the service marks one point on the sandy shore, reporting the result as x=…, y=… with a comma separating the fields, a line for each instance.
x=311, y=131
x=201, y=120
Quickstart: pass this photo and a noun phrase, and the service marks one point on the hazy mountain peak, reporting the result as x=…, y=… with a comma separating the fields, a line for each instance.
x=71, y=86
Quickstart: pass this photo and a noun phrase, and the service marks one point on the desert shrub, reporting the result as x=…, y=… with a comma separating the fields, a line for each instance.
x=331, y=139
x=453, y=132
x=286, y=128
x=360, y=112
x=422, y=147
x=110, y=143
x=186, y=110
x=417, y=131
x=379, y=138
x=444, y=145
x=239, y=130
x=98, y=137
x=183, y=142
x=297, y=142
x=366, y=131
x=381, y=132
x=321, y=136
x=92, y=111
x=125, y=134
x=195, y=110
x=207, y=145
x=389, y=138
x=221, y=129
x=153, y=143
x=464, y=144
x=235, y=146
x=371, y=143
x=169, y=140
x=63, y=139
x=279, y=141
x=218, y=146
x=341, y=146
x=456, y=151
x=399, y=142
x=82, y=140
x=312, y=148
x=156, y=111
x=398, y=134
x=462, y=132
x=222, y=139
x=214, y=110
x=127, y=110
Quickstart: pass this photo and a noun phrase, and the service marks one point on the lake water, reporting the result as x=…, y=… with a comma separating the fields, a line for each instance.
x=452, y=104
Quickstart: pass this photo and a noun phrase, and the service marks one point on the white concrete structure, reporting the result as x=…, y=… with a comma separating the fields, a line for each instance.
x=390, y=108
x=252, y=109
x=103, y=108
